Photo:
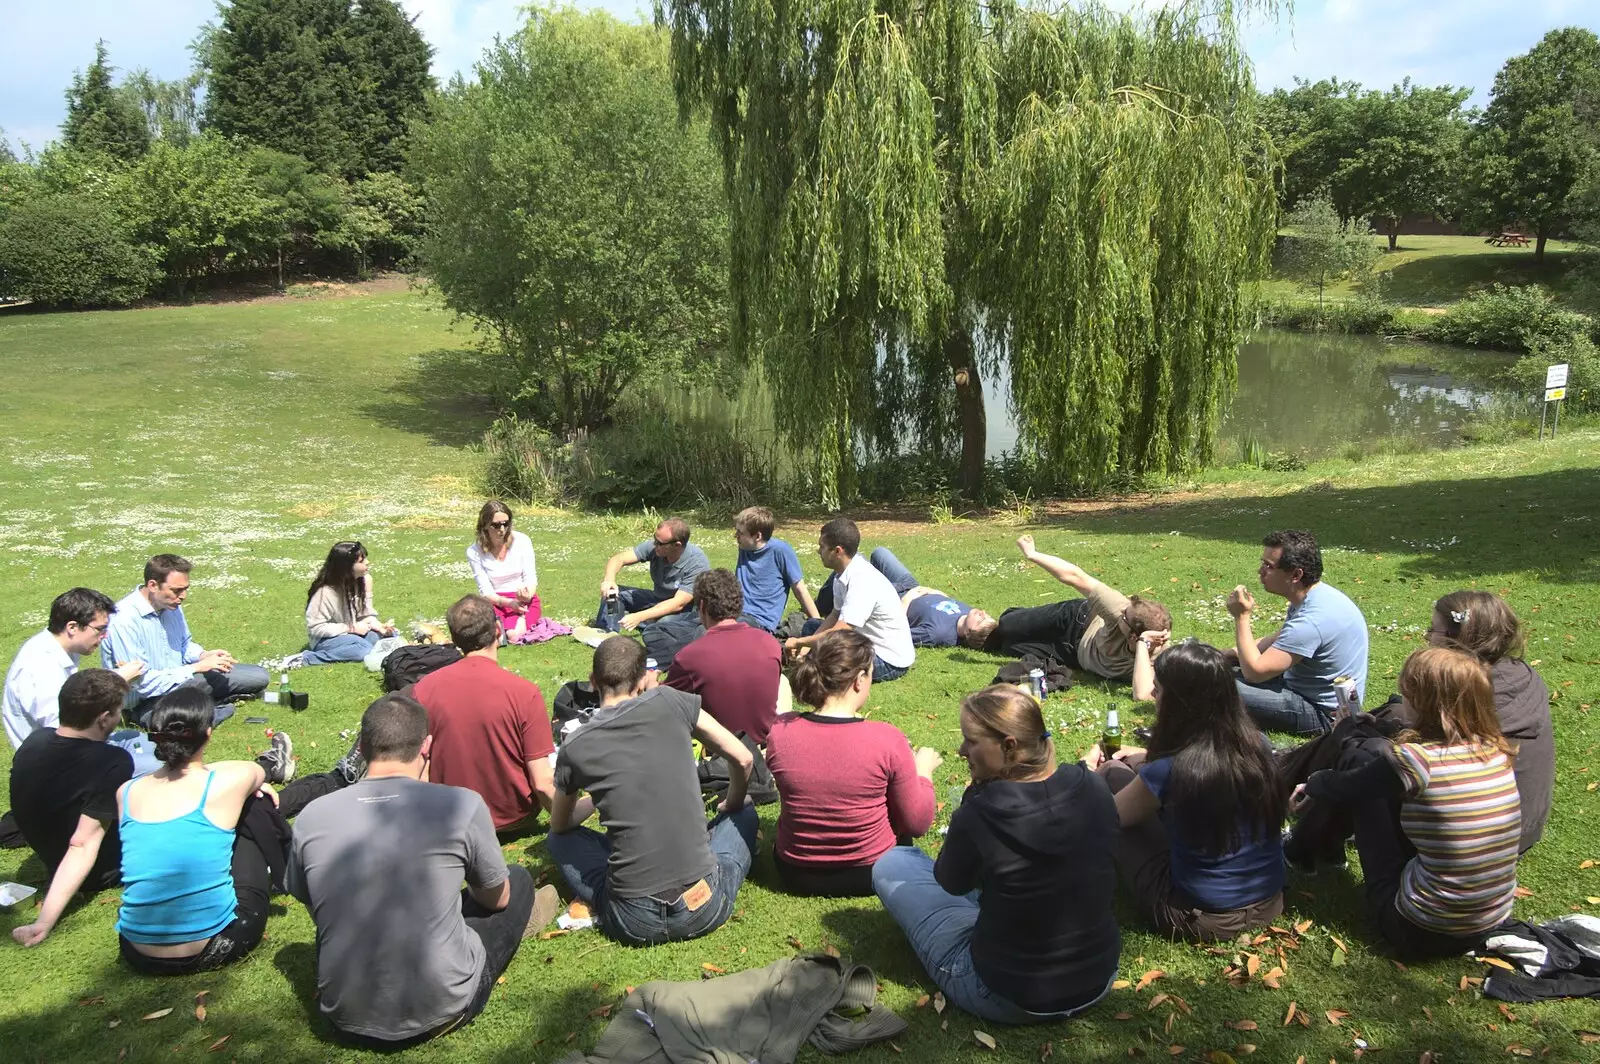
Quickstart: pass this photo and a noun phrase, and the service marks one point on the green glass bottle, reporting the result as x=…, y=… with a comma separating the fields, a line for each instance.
x=1111, y=738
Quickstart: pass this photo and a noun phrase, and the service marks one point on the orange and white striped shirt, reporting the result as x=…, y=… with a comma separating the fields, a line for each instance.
x=1462, y=813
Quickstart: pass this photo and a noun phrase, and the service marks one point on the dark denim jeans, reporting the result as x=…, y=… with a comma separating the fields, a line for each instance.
x=583, y=853
x=1276, y=708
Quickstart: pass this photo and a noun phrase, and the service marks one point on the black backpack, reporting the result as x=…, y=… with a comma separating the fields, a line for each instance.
x=1055, y=677
x=577, y=700
x=406, y=665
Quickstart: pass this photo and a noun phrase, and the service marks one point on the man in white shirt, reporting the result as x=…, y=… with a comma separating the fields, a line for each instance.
x=78, y=622
x=866, y=602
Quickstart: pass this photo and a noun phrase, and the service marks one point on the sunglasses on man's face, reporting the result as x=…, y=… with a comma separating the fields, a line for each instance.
x=664, y=542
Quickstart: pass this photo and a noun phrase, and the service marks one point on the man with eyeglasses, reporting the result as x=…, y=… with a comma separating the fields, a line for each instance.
x=660, y=613
x=148, y=625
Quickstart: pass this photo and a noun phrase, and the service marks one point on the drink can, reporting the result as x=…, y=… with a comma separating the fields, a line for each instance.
x=1036, y=683
x=1344, y=690
x=650, y=665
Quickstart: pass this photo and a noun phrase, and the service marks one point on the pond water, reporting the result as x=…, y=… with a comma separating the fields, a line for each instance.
x=1320, y=395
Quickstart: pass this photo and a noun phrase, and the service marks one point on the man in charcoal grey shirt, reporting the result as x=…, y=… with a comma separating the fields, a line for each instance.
x=403, y=953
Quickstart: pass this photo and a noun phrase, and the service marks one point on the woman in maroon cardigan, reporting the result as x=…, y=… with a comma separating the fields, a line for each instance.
x=850, y=786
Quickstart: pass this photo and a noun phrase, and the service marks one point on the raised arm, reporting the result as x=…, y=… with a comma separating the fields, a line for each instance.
x=614, y=565
x=1259, y=660
x=912, y=805
x=1063, y=570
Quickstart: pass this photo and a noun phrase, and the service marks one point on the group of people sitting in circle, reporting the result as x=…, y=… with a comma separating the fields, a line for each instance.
x=1442, y=787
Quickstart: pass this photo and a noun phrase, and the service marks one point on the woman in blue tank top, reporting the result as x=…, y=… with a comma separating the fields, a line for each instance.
x=200, y=844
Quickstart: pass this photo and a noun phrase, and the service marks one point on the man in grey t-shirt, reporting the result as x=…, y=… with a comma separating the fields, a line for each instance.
x=1286, y=679
x=403, y=953
x=659, y=872
x=661, y=612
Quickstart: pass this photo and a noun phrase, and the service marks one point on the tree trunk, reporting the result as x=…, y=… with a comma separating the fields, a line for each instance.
x=962, y=357
x=280, y=267
x=1394, y=232
x=1538, y=249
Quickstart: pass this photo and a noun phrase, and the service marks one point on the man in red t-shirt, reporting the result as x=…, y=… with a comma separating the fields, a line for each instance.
x=734, y=668
x=490, y=728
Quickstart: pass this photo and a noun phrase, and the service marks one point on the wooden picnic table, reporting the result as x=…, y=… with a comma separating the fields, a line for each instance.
x=1508, y=239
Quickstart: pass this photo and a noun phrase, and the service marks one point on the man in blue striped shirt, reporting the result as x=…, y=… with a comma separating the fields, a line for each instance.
x=148, y=625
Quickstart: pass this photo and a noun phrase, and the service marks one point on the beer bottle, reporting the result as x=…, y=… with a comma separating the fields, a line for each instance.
x=1111, y=738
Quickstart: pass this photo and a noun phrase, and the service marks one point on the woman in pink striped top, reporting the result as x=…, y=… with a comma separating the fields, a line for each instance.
x=850, y=786
x=1443, y=872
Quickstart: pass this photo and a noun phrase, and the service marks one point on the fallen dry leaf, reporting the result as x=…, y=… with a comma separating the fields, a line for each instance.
x=1148, y=977
x=1522, y=892
x=602, y=1012
x=1272, y=977
x=1288, y=1017
x=122, y=1054
x=1252, y=965
x=1158, y=999
x=1244, y=1049
x=938, y=1002
x=1176, y=1051
x=156, y=1015
x=200, y=1013
x=1507, y=1013
x=1121, y=984
x=831, y=950
x=1498, y=963
x=1217, y=1056
x=1426, y=1011
x=113, y=1024
x=1586, y=864
x=98, y=999
x=1426, y=1058
x=1303, y=926
x=795, y=943
x=1592, y=901
x=708, y=966
x=1337, y=941
x=557, y=933
x=1241, y=1025
x=1123, y=1016
x=896, y=1048
x=1588, y=1038
x=219, y=1043
x=1519, y=1049
x=922, y=1002
x=1335, y=1015
x=1047, y=1051
x=984, y=1039
x=1470, y=980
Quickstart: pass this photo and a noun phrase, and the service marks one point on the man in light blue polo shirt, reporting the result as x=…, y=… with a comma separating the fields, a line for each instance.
x=148, y=625
x=1286, y=678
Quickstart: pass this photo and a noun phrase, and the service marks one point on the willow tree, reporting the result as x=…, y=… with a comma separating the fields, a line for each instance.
x=925, y=192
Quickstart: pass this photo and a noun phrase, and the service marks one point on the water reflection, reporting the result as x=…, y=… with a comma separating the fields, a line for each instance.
x=1318, y=394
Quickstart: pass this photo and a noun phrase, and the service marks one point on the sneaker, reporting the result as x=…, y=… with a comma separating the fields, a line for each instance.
x=546, y=904
x=1300, y=862
x=352, y=766
x=279, y=759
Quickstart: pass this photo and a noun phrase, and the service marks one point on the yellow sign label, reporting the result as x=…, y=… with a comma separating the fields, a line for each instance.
x=1552, y=394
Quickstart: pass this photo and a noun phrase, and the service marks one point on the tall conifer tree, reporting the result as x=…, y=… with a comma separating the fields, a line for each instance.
x=101, y=119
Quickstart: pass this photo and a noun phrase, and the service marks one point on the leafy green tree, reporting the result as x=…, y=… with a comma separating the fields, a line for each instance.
x=323, y=79
x=1321, y=248
x=101, y=119
x=72, y=250
x=572, y=218
x=925, y=193
x=395, y=58
x=1538, y=138
x=171, y=112
x=202, y=206
x=307, y=206
x=1304, y=124
x=6, y=154
x=383, y=220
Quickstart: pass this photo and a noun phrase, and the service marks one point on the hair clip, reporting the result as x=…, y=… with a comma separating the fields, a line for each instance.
x=1460, y=616
x=1045, y=734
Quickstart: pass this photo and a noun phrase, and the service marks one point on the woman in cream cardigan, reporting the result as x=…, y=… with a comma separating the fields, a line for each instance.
x=341, y=623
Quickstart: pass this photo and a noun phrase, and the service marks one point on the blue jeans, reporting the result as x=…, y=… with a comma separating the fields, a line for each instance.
x=139, y=747
x=629, y=600
x=582, y=854
x=1276, y=708
x=343, y=647
x=939, y=927
x=241, y=681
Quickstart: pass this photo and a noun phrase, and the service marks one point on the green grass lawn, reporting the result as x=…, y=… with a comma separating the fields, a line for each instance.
x=250, y=437
x=1435, y=271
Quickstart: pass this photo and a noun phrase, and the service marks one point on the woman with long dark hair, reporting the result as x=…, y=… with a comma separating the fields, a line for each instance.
x=1201, y=812
x=850, y=786
x=504, y=566
x=1014, y=921
x=1437, y=815
x=1482, y=624
x=341, y=622
x=201, y=847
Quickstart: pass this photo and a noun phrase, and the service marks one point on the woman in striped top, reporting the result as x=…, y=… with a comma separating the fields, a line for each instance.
x=1443, y=872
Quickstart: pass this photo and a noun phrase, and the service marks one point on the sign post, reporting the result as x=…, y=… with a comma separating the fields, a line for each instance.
x=1555, y=390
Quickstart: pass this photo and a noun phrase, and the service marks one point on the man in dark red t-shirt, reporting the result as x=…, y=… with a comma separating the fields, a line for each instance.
x=490, y=728
x=734, y=668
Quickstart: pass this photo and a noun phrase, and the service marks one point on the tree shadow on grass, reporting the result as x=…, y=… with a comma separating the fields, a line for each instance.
x=447, y=395
x=1540, y=523
x=1438, y=279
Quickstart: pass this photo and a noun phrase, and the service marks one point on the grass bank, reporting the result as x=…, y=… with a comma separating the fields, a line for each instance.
x=250, y=437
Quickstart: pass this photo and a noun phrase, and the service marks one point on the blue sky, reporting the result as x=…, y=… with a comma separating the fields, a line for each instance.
x=1375, y=42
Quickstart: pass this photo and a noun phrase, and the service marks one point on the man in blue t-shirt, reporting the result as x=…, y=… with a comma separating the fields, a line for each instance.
x=936, y=619
x=1287, y=678
x=768, y=570
x=660, y=612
